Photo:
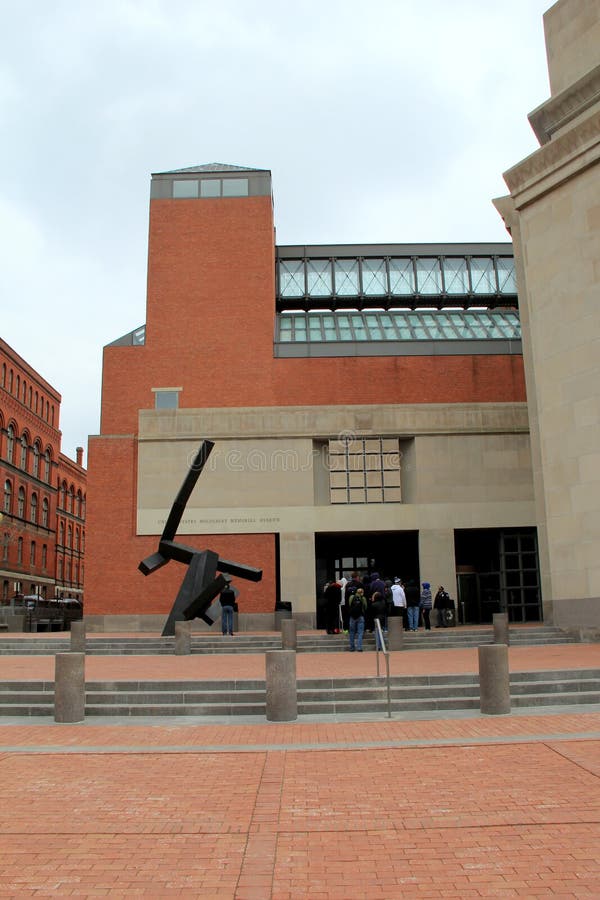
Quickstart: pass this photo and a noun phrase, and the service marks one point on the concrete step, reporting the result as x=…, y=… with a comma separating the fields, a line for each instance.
x=246, y=642
x=316, y=696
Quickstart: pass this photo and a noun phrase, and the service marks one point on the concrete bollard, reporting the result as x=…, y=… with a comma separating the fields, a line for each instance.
x=69, y=687
x=183, y=639
x=289, y=635
x=395, y=635
x=501, y=635
x=78, y=637
x=282, y=699
x=494, y=680
x=280, y=616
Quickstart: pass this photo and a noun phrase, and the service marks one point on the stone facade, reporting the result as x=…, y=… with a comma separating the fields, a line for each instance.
x=553, y=215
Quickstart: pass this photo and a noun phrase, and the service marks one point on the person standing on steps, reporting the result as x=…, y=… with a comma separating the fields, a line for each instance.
x=227, y=599
x=357, y=606
x=426, y=604
x=413, y=600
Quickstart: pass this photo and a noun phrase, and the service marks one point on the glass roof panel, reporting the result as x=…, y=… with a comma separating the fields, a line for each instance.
x=399, y=325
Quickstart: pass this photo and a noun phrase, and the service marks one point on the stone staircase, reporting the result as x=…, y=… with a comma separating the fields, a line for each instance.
x=250, y=642
x=316, y=696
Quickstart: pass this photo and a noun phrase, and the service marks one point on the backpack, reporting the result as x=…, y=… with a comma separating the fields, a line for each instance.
x=356, y=607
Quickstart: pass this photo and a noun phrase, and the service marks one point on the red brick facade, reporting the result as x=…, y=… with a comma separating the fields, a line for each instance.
x=209, y=331
x=42, y=529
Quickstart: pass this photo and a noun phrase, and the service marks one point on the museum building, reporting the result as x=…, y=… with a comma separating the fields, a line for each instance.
x=367, y=404
x=42, y=519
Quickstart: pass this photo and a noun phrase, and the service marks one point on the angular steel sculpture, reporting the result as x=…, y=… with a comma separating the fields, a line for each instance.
x=201, y=583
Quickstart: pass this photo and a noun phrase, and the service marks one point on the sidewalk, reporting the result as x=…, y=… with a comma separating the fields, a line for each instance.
x=480, y=806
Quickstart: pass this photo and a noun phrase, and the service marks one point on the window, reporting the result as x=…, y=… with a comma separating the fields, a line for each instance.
x=59, y=568
x=5, y=545
x=36, y=460
x=364, y=470
x=3, y=384
x=76, y=544
x=61, y=533
x=47, y=466
x=166, y=399
x=21, y=503
x=187, y=188
x=7, y=496
x=45, y=506
x=24, y=452
x=62, y=496
x=20, y=551
x=32, y=554
x=44, y=556
x=71, y=498
x=34, y=508
x=69, y=535
x=210, y=187
x=235, y=187
x=10, y=444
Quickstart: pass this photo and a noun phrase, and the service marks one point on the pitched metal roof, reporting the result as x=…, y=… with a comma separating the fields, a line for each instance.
x=210, y=167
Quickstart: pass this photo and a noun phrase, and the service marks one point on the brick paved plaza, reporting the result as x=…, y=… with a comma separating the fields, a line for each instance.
x=459, y=806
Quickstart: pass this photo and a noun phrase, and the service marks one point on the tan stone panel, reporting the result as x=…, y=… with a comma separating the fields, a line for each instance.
x=393, y=495
x=338, y=479
x=357, y=496
x=374, y=495
x=356, y=479
x=374, y=479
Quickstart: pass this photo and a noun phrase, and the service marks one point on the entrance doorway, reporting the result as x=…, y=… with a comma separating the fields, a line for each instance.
x=497, y=571
x=391, y=553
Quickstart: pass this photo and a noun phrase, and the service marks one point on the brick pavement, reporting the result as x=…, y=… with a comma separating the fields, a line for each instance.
x=481, y=806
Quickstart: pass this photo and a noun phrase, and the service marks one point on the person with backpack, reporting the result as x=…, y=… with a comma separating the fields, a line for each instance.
x=357, y=608
x=378, y=608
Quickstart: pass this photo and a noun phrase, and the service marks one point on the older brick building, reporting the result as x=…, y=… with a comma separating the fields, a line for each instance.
x=367, y=402
x=42, y=523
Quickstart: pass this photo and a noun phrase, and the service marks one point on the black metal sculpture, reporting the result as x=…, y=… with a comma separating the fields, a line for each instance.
x=201, y=583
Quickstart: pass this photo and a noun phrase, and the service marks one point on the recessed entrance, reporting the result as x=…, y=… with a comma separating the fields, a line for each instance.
x=390, y=553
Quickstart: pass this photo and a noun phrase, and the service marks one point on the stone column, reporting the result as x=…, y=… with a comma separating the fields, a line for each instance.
x=183, y=639
x=395, y=633
x=78, y=637
x=69, y=687
x=494, y=681
x=437, y=563
x=289, y=636
x=501, y=634
x=282, y=701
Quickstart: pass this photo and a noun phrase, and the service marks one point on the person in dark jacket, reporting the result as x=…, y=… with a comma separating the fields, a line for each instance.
x=378, y=608
x=350, y=589
x=333, y=595
x=442, y=601
x=227, y=599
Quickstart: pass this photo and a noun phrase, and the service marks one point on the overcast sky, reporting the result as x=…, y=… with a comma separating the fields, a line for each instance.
x=381, y=121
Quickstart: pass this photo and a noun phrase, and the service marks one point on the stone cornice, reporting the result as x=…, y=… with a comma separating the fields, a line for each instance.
x=556, y=162
x=557, y=112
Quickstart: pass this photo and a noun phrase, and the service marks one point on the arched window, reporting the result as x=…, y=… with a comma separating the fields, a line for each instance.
x=30, y=396
x=34, y=508
x=32, y=554
x=5, y=546
x=61, y=533
x=78, y=504
x=35, y=471
x=75, y=572
x=24, y=390
x=20, y=551
x=77, y=533
x=18, y=386
x=10, y=381
x=21, y=503
x=3, y=375
x=10, y=443
x=37, y=400
x=44, y=556
x=71, y=497
x=7, y=496
x=24, y=452
x=47, y=411
x=67, y=570
x=47, y=466
x=69, y=536
x=45, y=506
x=52, y=414
x=59, y=568
x=62, y=496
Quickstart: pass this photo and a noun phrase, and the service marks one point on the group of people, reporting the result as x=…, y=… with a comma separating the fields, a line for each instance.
x=353, y=605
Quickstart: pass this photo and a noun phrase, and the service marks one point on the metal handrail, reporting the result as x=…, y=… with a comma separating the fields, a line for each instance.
x=380, y=642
